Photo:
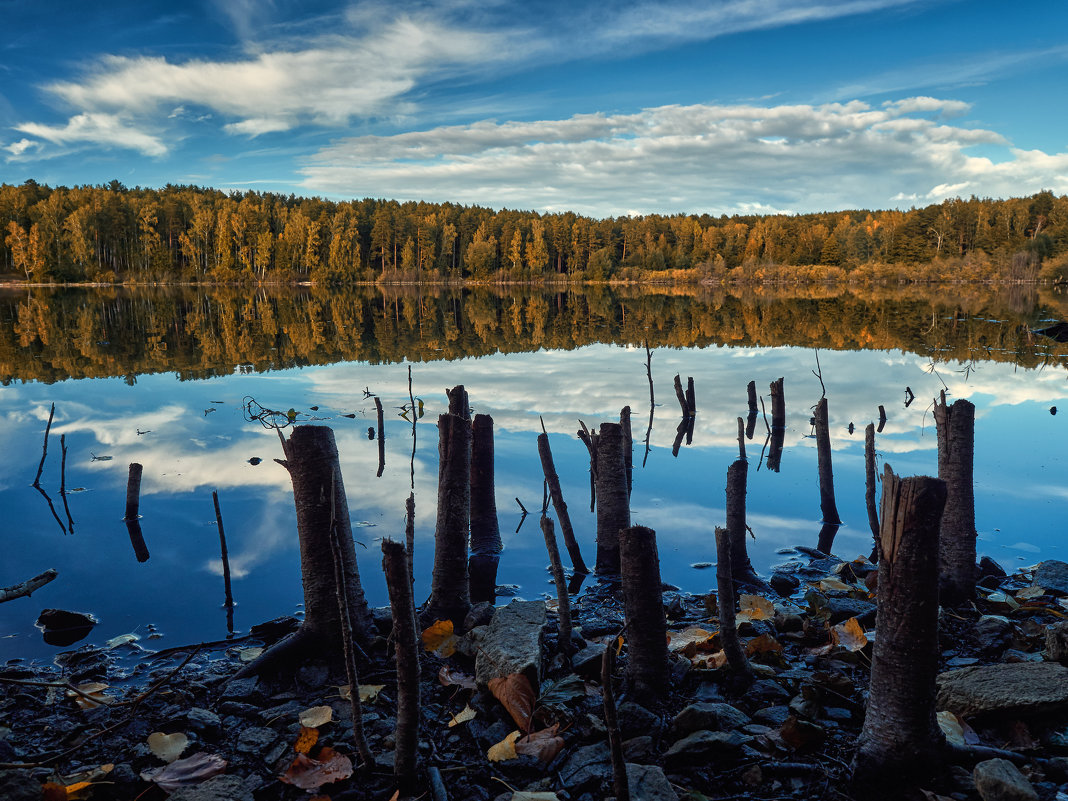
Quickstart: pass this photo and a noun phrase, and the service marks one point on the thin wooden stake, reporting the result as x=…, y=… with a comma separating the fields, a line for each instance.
x=620, y=785
x=44, y=447
x=563, y=602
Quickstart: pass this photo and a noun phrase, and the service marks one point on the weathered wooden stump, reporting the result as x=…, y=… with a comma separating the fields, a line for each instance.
x=955, y=426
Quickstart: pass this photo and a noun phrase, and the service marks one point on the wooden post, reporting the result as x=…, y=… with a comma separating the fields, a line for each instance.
x=869, y=486
x=450, y=596
x=643, y=605
x=741, y=438
x=728, y=633
x=44, y=447
x=406, y=644
x=557, y=495
x=133, y=492
x=381, y=436
x=229, y=603
x=778, y=425
x=751, y=417
x=563, y=609
x=955, y=425
x=737, y=479
x=901, y=741
x=613, y=506
x=828, y=507
x=628, y=446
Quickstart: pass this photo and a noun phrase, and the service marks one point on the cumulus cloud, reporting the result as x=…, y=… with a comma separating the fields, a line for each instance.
x=101, y=129
x=720, y=158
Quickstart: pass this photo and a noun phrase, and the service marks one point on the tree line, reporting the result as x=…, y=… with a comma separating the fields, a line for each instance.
x=113, y=234
x=55, y=334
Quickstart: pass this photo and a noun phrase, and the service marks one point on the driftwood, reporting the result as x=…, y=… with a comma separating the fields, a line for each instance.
x=901, y=742
x=27, y=587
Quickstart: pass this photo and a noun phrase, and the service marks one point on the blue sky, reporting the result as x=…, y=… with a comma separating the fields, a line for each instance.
x=722, y=106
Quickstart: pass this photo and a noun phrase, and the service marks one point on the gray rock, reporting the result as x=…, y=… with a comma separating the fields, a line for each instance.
x=1025, y=688
x=635, y=719
x=480, y=615
x=1052, y=575
x=587, y=662
x=512, y=643
x=641, y=750
x=313, y=676
x=843, y=608
x=245, y=690
x=1000, y=780
x=1057, y=642
x=705, y=745
x=988, y=567
x=695, y=717
x=227, y=787
x=204, y=722
x=993, y=634
x=648, y=783
x=587, y=766
x=19, y=785
x=256, y=740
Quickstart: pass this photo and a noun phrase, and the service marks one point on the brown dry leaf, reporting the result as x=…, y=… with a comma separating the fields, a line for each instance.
x=464, y=715
x=619, y=645
x=763, y=644
x=849, y=635
x=317, y=716
x=754, y=607
x=544, y=744
x=167, y=747
x=368, y=692
x=517, y=695
x=1030, y=593
x=503, y=750
x=835, y=585
x=311, y=774
x=440, y=638
x=305, y=740
x=711, y=662
x=51, y=791
x=186, y=772
x=95, y=691
x=449, y=677
x=689, y=641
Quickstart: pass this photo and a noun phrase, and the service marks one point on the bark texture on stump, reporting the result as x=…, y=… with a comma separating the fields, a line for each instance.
x=406, y=643
x=828, y=507
x=450, y=597
x=728, y=633
x=900, y=742
x=737, y=478
x=485, y=530
x=955, y=425
x=613, y=504
x=643, y=606
x=319, y=498
x=557, y=495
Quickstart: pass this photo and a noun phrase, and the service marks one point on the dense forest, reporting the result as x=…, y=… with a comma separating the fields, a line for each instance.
x=197, y=332
x=112, y=233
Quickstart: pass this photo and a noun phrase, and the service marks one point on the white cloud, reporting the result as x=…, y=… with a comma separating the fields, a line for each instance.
x=22, y=147
x=719, y=158
x=100, y=129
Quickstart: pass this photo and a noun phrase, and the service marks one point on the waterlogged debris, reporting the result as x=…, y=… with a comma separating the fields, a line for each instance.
x=186, y=772
x=99, y=458
x=701, y=565
x=122, y=639
x=167, y=747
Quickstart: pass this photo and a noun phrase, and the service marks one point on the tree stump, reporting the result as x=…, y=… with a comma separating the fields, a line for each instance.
x=643, y=605
x=955, y=425
x=613, y=503
x=450, y=597
x=901, y=742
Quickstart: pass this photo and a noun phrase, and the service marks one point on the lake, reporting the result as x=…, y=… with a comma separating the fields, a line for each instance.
x=165, y=378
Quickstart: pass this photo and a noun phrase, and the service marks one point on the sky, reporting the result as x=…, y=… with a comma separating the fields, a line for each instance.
x=606, y=109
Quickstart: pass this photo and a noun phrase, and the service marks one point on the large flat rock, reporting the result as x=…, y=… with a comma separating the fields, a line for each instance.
x=1052, y=575
x=512, y=643
x=1024, y=688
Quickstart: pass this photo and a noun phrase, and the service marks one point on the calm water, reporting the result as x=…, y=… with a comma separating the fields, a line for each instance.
x=192, y=436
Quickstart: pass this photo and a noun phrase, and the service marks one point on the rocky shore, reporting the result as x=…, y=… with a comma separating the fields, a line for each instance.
x=178, y=725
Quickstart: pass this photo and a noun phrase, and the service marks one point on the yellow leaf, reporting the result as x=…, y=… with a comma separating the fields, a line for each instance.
x=754, y=607
x=440, y=638
x=503, y=750
x=464, y=715
x=689, y=641
x=619, y=645
x=305, y=740
x=316, y=716
x=763, y=644
x=835, y=585
x=849, y=635
x=368, y=692
x=249, y=654
x=75, y=791
x=1030, y=593
x=167, y=747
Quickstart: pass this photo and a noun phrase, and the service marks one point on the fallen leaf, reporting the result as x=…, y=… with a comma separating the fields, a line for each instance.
x=316, y=716
x=464, y=715
x=754, y=607
x=186, y=772
x=544, y=744
x=440, y=638
x=763, y=644
x=1030, y=593
x=311, y=774
x=449, y=677
x=249, y=654
x=368, y=692
x=1002, y=599
x=556, y=695
x=306, y=739
x=167, y=747
x=712, y=661
x=689, y=641
x=835, y=585
x=52, y=791
x=503, y=750
x=95, y=691
x=122, y=639
x=517, y=695
x=77, y=791
x=849, y=635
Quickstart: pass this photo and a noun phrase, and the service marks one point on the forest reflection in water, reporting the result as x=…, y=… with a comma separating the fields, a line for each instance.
x=522, y=355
